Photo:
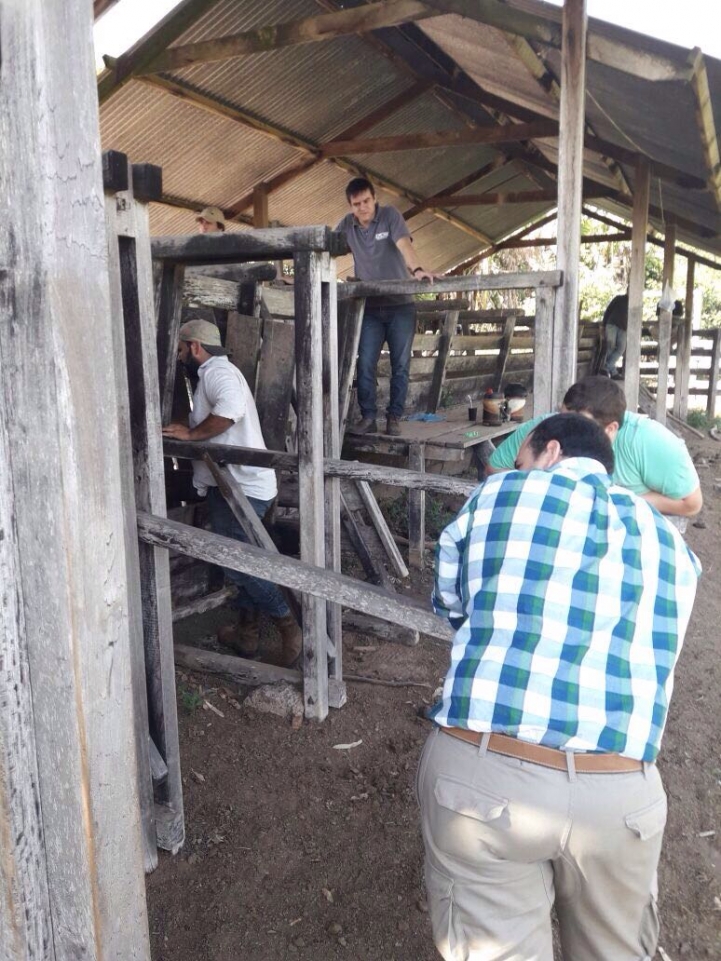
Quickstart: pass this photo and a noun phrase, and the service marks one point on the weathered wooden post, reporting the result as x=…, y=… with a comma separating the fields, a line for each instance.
x=636, y=283
x=71, y=872
x=665, y=320
x=683, y=350
x=570, y=180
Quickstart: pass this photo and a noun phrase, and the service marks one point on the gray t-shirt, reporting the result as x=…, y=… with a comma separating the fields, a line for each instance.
x=375, y=254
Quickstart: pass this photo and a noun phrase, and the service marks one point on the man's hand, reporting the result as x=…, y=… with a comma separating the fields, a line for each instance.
x=426, y=275
x=177, y=431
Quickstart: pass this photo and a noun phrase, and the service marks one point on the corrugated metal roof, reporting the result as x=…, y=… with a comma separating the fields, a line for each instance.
x=316, y=91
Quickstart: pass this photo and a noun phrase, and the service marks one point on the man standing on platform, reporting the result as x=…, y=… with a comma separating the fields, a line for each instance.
x=382, y=249
x=615, y=326
x=224, y=413
x=569, y=598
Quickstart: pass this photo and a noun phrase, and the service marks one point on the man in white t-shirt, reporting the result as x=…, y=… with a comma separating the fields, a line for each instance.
x=224, y=413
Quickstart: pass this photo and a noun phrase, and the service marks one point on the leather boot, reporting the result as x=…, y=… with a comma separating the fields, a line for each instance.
x=243, y=636
x=393, y=426
x=292, y=638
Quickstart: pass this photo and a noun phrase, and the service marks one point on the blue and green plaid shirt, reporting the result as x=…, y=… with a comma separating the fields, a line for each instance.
x=570, y=598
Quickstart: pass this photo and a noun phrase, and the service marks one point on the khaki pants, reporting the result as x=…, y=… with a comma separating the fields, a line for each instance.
x=506, y=839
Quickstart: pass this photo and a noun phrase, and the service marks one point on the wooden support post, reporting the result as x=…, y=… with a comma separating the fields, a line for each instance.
x=664, y=326
x=543, y=351
x=350, y=316
x=416, y=509
x=381, y=526
x=274, y=383
x=169, y=309
x=570, y=181
x=242, y=339
x=71, y=868
x=260, y=206
x=504, y=350
x=682, y=379
x=636, y=284
x=713, y=376
x=120, y=220
x=448, y=329
x=331, y=446
x=136, y=279
x=309, y=386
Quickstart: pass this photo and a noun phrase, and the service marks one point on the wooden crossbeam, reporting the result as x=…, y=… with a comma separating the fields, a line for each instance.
x=492, y=134
x=514, y=17
x=706, y=123
x=511, y=197
x=325, y=26
x=142, y=53
x=506, y=281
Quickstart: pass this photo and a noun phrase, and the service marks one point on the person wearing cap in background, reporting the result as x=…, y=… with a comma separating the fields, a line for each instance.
x=382, y=249
x=569, y=598
x=224, y=412
x=211, y=220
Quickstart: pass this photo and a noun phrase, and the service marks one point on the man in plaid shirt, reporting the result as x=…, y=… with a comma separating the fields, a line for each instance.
x=570, y=598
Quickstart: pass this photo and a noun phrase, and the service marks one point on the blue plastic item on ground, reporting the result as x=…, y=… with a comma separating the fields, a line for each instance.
x=428, y=418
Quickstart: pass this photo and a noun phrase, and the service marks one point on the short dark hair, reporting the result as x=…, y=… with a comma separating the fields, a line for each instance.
x=578, y=436
x=357, y=186
x=598, y=396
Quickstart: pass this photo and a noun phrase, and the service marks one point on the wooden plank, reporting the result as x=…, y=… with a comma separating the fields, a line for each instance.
x=321, y=583
x=236, y=273
x=280, y=301
x=440, y=306
x=169, y=310
x=492, y=134
x=543, y=353
x=448, y=329
x=324, y=26
x=706, y=122
x=271, y=243
x=201, y=605
x=309, y=388
x=350, y=317
x=509, y=281
x=127, y=481
x=713, y=377
x=274, y=384
x=636, y=284
x=664, y=326
x=416, y=510
x=260, y=199
x=200, y=291
x=381, y=526
x=331, y=448
x=242, y=339
x=147, y=451
x=682, y=375
x=363, y=537
x=252, y=673
x=504, y=351
x=71, y=874
x=570, y=185
x=393, y=633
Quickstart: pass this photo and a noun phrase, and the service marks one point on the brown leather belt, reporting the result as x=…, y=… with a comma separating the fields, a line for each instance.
x=549, y=756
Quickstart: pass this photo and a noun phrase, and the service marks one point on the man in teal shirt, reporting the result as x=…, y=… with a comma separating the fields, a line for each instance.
x=650, y=460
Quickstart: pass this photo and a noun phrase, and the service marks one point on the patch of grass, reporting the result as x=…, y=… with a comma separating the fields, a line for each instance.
x=191, y=700
x=698, y=419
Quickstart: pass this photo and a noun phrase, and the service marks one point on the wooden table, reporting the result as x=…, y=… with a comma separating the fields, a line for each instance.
x=422, y=441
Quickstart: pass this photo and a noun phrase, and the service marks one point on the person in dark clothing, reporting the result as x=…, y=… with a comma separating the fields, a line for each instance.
x=615, y=325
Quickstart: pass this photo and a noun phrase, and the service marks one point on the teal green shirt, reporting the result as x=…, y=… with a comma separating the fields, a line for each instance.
x=648, y=457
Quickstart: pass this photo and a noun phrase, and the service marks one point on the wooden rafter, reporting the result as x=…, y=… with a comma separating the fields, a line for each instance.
x=326, y=26
x=461, y=184
x=496, y=199
x=195, y=97
x=520, y=19
x=492, y=134
x=535, y=224
x=135, y=60
x=380, y=113
x=706, y=123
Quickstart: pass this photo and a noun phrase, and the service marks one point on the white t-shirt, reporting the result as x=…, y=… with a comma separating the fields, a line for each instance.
x=222, y=390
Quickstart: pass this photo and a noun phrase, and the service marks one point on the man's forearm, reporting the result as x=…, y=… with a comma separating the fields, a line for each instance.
x=211, y=427
x=687, y=506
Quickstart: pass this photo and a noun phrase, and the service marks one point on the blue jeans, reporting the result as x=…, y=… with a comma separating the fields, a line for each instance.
x=253, y=593
x=615, y=346
x=395, y=326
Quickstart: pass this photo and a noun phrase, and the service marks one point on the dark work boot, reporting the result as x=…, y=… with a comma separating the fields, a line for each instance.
x=367, y=425
x=292, y=638
x=393, y=426
x=243, y=636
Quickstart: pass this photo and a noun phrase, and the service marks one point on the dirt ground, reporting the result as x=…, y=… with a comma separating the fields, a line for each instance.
x=296, y=849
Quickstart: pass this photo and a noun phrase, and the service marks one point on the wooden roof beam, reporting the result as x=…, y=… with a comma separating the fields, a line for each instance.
x=516, y=17
x=142, y=53
x=514, y=197
x=471, y=178
x=195, y=97
x=706, y=123
x=493, y=134
x=535, y=224
x=325, y=26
